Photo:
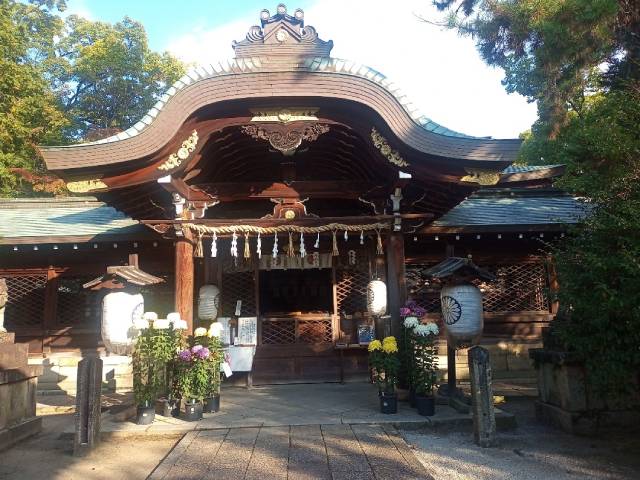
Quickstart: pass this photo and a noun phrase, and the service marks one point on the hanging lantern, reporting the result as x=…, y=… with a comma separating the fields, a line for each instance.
x=376, y=297
x=120, y=310
x=462, y=313
x=208, y=301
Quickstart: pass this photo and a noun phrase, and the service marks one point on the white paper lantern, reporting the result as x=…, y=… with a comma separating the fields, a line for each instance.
x=462, y=313
x=119, y=312
x=208, y=300
x=377, y=297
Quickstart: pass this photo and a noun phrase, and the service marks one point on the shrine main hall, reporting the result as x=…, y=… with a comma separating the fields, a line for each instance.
x=289, y=180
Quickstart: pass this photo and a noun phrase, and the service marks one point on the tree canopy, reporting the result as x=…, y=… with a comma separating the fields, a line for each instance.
x=64, y=81
x=580, y=60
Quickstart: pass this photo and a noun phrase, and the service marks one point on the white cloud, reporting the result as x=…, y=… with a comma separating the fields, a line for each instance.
x=440, y=72
x=79, y=8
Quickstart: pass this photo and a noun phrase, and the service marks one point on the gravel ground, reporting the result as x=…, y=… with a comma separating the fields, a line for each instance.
x=532, y=451
x=47, y=457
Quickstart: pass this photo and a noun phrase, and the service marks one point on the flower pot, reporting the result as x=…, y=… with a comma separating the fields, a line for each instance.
x=193, y=411
x=388, y=403
x=212, y=404
x=145, y=414
x=426, y=405
x=174, y=405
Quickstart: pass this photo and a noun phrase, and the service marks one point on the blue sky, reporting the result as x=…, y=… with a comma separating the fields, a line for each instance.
x=439, y=71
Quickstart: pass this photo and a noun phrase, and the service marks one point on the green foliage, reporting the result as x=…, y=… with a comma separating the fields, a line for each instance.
x=425, y=364
x=580, y=59
x=198, y=369
x=152, y=358
x=552, y=50
x=106, y=76
x=29, y=113
x=65, y=81
x=385, y=364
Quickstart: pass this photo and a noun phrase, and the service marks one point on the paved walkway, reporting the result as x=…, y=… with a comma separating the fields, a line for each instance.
x=334, y=452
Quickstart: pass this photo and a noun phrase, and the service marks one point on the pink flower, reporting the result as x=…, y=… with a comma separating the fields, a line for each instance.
x=203, y=353
x=404, y=311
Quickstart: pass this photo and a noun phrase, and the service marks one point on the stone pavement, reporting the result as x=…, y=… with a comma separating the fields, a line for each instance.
x=333, y=452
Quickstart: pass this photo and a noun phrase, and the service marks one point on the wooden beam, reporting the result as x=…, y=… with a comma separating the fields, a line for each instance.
x=233, y=191
x=184, y=279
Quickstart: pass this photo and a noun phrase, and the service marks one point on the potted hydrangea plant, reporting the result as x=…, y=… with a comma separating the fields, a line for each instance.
x=384, y=362
x=425, y=367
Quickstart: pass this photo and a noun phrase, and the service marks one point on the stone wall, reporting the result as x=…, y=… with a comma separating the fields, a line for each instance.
x=18, y=385
x=59, y=375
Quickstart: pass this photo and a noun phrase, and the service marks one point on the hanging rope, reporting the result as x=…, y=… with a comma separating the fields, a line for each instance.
x=330, y=227
x=379, y=249
x=247, y=251
x=199, y=251
x=335, y=251
x=291, y=252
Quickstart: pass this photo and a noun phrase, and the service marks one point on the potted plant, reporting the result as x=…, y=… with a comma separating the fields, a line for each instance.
x=145, y=381
x=384, y=362
x=425, y=367
x=411, y=313
x=193, y=375
x=211, y=339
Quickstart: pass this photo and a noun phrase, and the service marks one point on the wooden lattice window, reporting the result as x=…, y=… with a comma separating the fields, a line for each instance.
x=315, y=331
x=289, y=331
x=238, y=286
x=519, y=287
x=351, y=290
x=25, y=306
x=76, y=305
x=279, y=332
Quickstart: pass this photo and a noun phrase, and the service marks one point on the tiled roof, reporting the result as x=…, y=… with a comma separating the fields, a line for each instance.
x=78, y=217
x=515, y=208
x=528, y=168
x=255, y=64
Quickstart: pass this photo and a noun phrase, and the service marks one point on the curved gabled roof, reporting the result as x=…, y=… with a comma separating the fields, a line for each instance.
x=287, y=60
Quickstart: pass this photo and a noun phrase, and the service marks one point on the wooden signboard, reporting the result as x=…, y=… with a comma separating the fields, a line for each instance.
x=247, y=330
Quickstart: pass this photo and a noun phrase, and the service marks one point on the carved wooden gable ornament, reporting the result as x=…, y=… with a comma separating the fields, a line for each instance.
x=282, y=34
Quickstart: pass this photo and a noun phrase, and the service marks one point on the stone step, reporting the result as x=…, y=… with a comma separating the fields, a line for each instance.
x=13, y=355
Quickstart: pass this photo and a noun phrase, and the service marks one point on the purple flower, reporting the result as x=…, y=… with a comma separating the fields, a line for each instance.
x=196, y=348
x=203, y=353
x=411, y=304
x=418, y=311
x=404, y=311
x=185, y=355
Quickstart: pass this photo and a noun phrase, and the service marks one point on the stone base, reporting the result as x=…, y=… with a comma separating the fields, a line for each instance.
x=16, y=433
x=579, y=423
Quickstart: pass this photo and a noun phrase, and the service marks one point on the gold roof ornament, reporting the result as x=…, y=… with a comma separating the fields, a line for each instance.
x=176, y=159
x=381, y=144
x=84, y=186
x=285, y=115
x=481, y=177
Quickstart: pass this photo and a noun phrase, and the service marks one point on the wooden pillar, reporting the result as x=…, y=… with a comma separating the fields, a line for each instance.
x=184, y=281
x=396, y=281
